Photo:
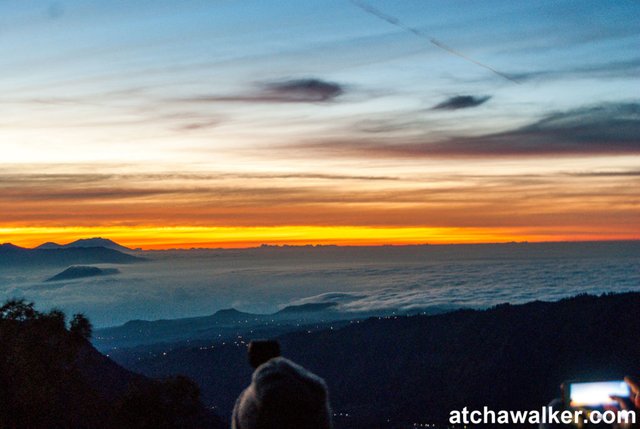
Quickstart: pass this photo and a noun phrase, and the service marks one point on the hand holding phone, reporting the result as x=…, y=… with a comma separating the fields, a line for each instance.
x=595, y=394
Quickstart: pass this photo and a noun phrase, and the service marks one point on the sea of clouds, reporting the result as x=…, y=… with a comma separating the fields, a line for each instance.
x=176, y=284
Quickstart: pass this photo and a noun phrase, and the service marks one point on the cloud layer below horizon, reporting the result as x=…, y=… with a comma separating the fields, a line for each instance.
x=378, y=280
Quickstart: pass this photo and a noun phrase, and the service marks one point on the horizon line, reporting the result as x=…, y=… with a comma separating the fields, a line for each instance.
x=150, y=237
x=333, y=245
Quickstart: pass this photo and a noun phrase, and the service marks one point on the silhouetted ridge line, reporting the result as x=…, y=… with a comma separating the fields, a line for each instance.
x=86, y=242
x=51, y=377
x=14, y=256
x=395, y=371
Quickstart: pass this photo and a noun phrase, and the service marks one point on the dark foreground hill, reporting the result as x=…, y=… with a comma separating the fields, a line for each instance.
x=51, y=377
x=14, y=256
x=394, y=372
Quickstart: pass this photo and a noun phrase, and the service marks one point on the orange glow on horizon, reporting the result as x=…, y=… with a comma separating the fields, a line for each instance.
x=185, y=237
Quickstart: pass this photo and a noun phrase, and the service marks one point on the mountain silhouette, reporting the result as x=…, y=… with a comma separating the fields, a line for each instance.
x=226, y=323
x=50, y=245
x=86, y=242
x=14, y=256
x=82, y=271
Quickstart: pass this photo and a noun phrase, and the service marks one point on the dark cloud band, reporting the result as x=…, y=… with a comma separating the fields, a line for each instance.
x=461, y=102
x=288, y=91
x=609, y=129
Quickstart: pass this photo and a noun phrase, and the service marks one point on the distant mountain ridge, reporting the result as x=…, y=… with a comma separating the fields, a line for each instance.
x=225, y=323
x=15, y=256
x=84, y=243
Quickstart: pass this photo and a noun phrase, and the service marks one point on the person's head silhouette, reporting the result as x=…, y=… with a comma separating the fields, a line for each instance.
x=283, y=395
x=260, y=351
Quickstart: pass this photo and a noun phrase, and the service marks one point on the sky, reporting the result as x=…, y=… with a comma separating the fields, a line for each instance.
x=165, y=124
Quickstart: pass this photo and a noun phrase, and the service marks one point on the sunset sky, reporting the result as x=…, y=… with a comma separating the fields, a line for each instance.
x=164, y=124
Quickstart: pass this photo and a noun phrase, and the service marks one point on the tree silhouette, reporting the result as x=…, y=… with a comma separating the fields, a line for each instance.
x=18, y=310
x=52, y=377
x=81, y=327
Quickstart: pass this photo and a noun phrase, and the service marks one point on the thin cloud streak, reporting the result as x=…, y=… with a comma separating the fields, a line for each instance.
x=612, y=69
x=8, y=180
x=630, y=173
x=610, y=129
x=290, y=91
x=395, y=21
